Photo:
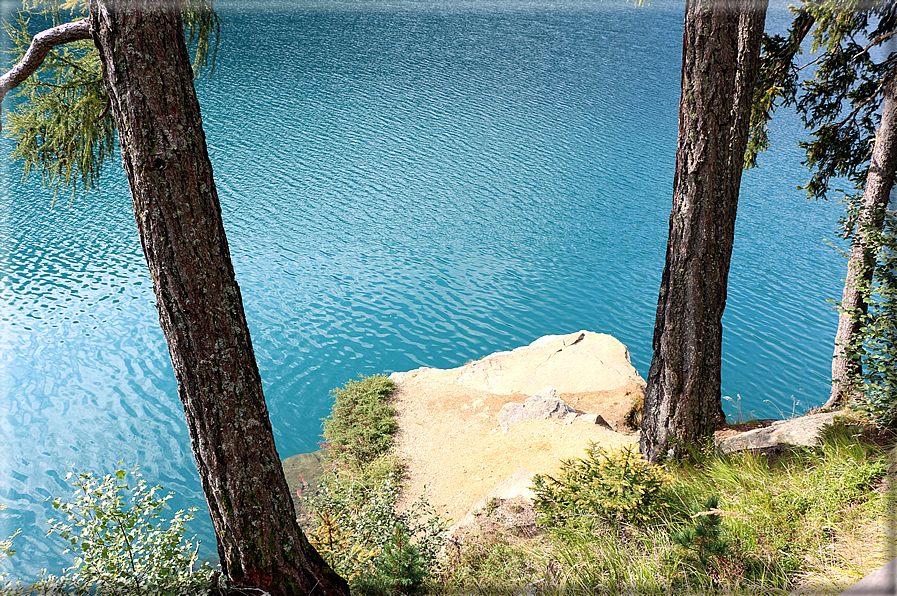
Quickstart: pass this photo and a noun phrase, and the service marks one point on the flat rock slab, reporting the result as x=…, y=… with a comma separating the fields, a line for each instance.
x=797, y=431
x=574, y=363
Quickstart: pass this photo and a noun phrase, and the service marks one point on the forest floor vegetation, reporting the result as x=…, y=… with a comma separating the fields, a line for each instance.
x=803, y=520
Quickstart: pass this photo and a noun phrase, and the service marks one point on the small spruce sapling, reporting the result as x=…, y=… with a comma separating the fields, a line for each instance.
x=703, y=540
x=401, y=569
x=617, y=486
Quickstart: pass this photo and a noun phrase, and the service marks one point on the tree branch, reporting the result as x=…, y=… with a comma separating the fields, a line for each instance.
x=40, y=46
x=875, y=42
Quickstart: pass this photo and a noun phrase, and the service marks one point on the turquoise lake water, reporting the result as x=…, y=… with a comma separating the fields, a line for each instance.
x=403, y=184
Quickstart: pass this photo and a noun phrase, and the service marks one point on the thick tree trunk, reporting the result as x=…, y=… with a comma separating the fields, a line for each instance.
x=720, y=58
x=845, y=363
x=150, y=85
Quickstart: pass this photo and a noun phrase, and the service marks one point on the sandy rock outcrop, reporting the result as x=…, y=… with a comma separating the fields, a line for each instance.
x=448, y=419
x=582, y=362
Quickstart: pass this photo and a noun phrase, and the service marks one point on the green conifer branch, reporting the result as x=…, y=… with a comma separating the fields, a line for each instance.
x=61, y=122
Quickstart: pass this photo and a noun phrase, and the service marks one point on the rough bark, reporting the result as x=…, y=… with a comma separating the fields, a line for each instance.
x=149, y=82
x=845, y=362
x=720, y=57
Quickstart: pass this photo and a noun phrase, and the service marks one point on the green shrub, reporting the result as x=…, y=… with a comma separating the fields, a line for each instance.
x=702, y=541
x=874, y=348
x=355, y=528
x=386, y=467
x=354, y=519
x=362, y=423
x=401, y=569
x=122, y=545
x=618, y=486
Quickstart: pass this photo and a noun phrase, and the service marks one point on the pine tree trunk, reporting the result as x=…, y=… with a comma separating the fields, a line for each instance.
x=149, y=81
x=720, y=60
x=860, y=266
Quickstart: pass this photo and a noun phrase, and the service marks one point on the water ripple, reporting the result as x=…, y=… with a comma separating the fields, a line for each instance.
x=403, y=186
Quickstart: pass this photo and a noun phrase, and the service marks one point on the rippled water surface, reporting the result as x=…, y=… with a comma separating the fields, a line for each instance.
x=403, y=184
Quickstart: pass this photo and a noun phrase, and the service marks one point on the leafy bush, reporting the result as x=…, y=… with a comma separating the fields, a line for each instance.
x=122, y=544
x=619, y=486
x=362, y=423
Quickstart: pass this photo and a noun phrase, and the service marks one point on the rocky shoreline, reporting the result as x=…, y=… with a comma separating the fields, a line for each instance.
x=488, y=426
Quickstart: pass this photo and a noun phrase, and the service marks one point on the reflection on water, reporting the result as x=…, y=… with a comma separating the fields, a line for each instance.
x=402, y=187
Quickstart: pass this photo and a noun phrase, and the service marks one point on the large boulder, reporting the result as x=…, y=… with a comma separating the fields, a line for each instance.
x=804, y=431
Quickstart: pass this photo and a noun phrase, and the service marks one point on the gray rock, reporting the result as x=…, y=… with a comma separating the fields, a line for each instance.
x=797, y=431
x=879, y=583
x=510, y=413
x=547, y=404
x=594, y=419
x=544, y=404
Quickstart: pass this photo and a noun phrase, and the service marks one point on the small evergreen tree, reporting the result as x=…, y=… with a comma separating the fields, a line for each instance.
x=401, y=569
x=615, y=486
x=703, y=540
